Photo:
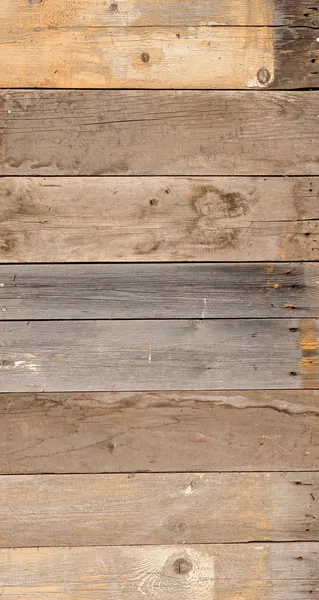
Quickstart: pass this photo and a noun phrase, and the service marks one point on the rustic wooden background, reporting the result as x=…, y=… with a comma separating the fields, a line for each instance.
x=159, y=300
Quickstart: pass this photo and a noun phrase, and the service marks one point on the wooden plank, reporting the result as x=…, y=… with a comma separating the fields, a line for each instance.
x=159, y=431
x=158, y=219
x=137, y=13
x=151, y=291
x=109, y=132
x=137, y=355
x=155, y=508
x=73, y=53
x=197, y=572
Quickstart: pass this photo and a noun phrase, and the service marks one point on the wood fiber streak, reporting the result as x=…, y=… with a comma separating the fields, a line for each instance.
x=176, y=508
x=135, y=132
x=258, y=571
x=159, y=431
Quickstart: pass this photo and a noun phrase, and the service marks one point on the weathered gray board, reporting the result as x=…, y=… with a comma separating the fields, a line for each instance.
x=152, y=291
x=150, y=132
x=199, y=572
x=159, y=431
x=158, y=354
x=170, y=508
x=85, y=219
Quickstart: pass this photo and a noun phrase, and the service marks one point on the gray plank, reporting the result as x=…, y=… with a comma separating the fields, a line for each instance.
x=158, y=354
x=158, y=508
x=199, y=572
x=125, y=132
x=137, y=291
x=159, y=431
x=158, y=219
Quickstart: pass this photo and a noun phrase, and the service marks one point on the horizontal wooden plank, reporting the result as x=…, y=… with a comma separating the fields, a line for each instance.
x=159, y=431
x=89, y=13
x=159, y=57
x=135, y=355
x=137, y=291
x=155, y=508
x=158, y=219
x=121, y=132
x=259, y=571
x=88, y=46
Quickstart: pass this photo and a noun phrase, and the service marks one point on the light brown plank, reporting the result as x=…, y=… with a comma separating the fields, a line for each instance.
x=136, y=355
x=155, y=508
x=18, y=14
x=251, y=572
x=156, y=219
x=159, y=431
x=76, y=48
x=150, y=291
x=123, y=132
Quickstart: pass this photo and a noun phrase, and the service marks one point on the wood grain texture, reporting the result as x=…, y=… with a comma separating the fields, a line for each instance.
x=80, y=50
x=159, y=431
x=57, y=356
x=254, y=571
x=67, y=132
x=158, y=219
x=89, y=13
x=170, y=508
x=193, y=57
x=152, y=291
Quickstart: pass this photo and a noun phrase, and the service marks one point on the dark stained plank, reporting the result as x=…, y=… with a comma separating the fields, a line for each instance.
x=158, y=219
x=151, y=291
x=159, y=431
x=219, y=571
x=158, y=57
x=170, y=508
x=121, y=132
x=141, y=13
x=137, y=355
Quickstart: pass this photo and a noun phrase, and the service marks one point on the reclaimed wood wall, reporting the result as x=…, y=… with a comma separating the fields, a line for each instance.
x=159, y=300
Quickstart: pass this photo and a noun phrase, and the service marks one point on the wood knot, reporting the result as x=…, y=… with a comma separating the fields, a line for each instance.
x=113, y=7
x=32, y=2
x=263, y=76
x=182, y=566
x=145, y=57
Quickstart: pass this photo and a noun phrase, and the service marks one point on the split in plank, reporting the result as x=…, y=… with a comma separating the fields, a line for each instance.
x=136, y=355
x=152, y=291
x=158, y=219
x=196, y=572
x=159, y=431
x=158, y=57
x=136, y=132
x=140, y=13
x=158, y=508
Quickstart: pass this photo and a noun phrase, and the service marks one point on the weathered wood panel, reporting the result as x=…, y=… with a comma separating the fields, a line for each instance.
x=89, y=13
x=158, y=354
x=254, y=571
x=159, y=431
x=171, y=508
x=150, y=291
x=66, y=132
x=193, y=57
x=80, y=55
x=158, y=218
